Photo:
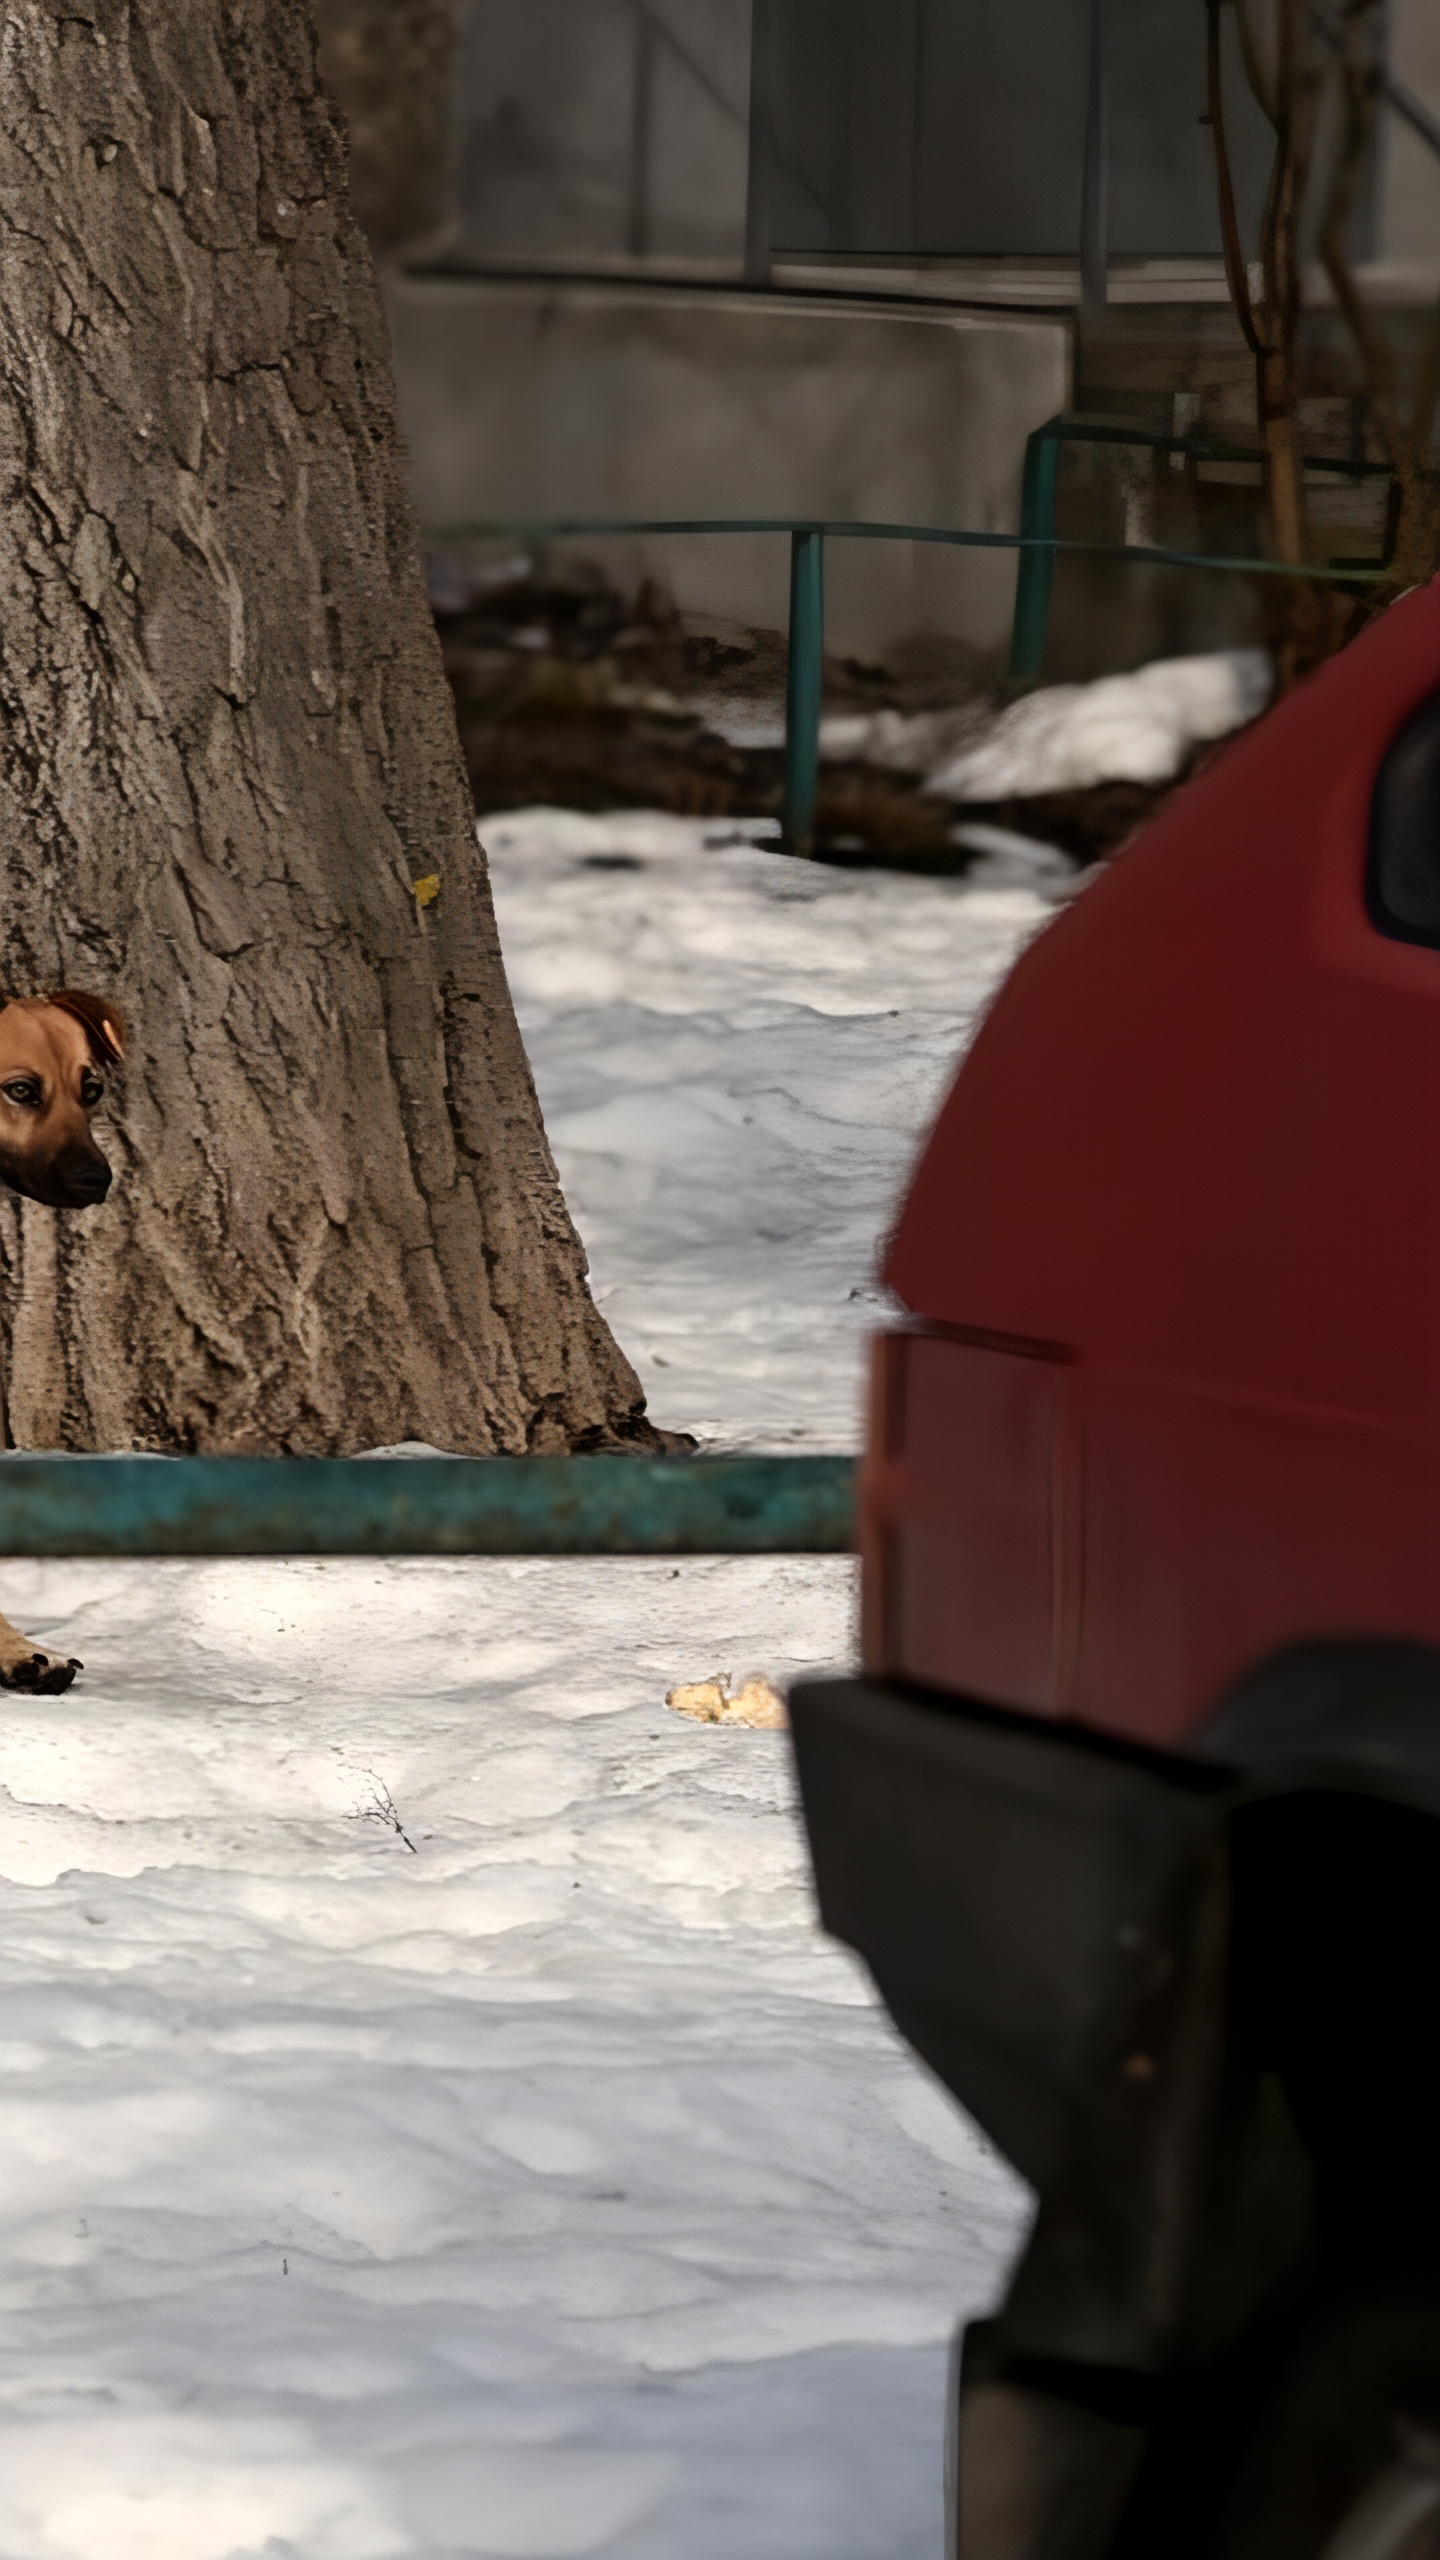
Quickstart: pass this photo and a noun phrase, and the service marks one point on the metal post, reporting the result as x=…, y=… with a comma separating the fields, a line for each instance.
x=1095, y=197
x=1035, y=574
x=758, y=186
x=804, y=681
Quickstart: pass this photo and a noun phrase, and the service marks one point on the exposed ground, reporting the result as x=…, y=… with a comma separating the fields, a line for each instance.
x=569, y=692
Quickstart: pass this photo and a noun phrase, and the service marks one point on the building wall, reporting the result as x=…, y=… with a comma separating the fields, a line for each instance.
x=615, y=133
x=524, y=400
x=528, y=398
x=955, y=128
x=1410, y=177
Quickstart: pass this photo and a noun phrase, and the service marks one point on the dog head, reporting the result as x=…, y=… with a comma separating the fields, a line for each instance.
x=54, y=1052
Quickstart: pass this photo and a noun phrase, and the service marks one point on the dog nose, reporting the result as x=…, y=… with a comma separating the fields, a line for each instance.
x=86, y=1179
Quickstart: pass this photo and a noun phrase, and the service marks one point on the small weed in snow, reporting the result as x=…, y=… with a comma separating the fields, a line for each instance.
x=381, y=1808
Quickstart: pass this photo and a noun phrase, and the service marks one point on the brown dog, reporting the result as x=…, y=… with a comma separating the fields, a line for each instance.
x=53, y=1053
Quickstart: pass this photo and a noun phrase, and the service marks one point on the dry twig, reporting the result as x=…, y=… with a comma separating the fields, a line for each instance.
x=381, y=1808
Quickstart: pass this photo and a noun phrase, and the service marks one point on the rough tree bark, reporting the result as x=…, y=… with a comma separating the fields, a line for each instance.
x=226, y=755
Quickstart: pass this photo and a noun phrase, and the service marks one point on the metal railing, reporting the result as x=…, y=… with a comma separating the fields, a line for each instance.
x=1037, y=543
x=1039, y=546
x=603, y=1505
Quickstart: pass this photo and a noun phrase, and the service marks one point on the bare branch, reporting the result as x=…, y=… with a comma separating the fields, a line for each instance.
x=381, y=1808
x=1261, y=84
x=1426, y=395
x=1235, y=274
x=1298, y=87
x=1360, y=39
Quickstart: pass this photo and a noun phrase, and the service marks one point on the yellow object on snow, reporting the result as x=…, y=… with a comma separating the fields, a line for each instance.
x=711, y=1702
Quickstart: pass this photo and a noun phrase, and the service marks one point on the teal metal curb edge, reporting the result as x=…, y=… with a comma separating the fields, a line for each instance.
x=609, y=1505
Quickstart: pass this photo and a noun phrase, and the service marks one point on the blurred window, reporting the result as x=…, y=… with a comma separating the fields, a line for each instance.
x=958, y=128
x=1404, y=871
x=603, y=132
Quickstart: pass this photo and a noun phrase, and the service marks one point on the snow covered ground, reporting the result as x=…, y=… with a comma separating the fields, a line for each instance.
x=530, y=2179
x=736, y=1054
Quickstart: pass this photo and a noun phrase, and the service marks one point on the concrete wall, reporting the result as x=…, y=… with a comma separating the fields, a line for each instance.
x=594, y=130
x=524, y=399
x=1410, y=177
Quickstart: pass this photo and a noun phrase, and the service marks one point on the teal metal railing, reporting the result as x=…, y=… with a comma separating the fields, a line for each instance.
x=1038, y=546
x=1037, y=543
x=604, y=1505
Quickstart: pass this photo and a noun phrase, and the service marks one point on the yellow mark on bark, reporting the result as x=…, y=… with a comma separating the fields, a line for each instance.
x=426, y=890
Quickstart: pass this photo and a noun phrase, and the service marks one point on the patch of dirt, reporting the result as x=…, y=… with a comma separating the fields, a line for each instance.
x=1087, y=824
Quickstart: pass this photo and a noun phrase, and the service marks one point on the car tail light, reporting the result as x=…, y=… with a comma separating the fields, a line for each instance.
x=964, y=1500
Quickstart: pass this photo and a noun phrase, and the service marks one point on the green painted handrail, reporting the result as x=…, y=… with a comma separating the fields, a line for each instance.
x=1039, y=545
x=1036, y=543
x=548, y=528
x=605, y=1505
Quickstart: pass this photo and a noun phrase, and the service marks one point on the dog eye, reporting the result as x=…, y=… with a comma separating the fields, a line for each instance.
x=22, y=1090
x=91, y=1091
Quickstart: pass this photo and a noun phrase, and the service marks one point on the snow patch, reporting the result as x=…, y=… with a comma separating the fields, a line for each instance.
x=737, y=1053
x=1135, y=728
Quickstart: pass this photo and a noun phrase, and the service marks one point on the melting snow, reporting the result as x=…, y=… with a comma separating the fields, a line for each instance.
x=434, y=2124
x=1063, y=737
x=1135, y=728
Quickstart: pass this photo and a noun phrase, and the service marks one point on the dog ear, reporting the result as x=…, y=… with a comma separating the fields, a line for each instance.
x=100, y=1020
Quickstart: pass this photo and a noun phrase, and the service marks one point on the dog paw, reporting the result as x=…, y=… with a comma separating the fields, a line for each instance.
x=42, y=1674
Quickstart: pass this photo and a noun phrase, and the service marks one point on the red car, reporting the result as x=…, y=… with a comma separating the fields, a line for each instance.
x=1135, y=1810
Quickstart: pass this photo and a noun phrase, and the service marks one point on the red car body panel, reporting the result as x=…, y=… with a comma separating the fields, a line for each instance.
x=1173, y=1249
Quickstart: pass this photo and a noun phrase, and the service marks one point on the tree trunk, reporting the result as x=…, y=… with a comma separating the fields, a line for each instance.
x=229, y=755
x=1293, y=107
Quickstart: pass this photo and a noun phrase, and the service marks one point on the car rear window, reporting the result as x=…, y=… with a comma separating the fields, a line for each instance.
x=1403, y=877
